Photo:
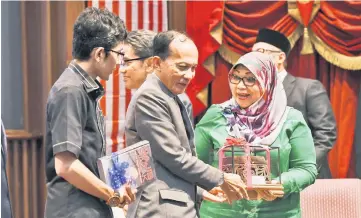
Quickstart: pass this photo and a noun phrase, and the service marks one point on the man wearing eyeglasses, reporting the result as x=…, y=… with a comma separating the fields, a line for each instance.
x=75, y=124
x=138, y=63
x=157, y=115
x=306, y=95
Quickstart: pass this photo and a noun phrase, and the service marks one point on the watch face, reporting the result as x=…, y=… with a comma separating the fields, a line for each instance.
x=114, y=201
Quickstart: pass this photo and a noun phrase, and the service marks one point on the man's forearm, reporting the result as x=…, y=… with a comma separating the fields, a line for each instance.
x=82, y=178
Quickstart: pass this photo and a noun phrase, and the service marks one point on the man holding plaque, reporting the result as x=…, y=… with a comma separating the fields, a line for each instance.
x=75, y=124
x=157, y=115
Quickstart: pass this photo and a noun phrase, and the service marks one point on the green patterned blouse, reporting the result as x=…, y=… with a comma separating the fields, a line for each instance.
x=298, y=166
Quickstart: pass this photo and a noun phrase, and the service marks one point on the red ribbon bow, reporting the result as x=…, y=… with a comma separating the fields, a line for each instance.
x=235, y=141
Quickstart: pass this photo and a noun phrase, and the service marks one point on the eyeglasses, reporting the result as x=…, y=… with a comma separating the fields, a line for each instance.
x=247, y=81
x=117, y=52
x=262, y=50
x=120, y=56
x=127, y=62
x=135, y=59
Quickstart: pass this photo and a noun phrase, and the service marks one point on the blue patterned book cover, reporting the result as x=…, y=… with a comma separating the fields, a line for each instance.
x=133, y=165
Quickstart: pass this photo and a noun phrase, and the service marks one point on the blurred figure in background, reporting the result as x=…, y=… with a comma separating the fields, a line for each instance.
x=6, y=210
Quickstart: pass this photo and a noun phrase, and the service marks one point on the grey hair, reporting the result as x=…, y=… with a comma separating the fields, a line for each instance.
x=142, y=42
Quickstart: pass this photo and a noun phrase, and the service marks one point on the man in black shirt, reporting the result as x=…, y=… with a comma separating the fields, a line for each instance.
x=75, y=124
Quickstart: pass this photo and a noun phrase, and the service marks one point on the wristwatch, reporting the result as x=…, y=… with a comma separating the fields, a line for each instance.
x=116, y=200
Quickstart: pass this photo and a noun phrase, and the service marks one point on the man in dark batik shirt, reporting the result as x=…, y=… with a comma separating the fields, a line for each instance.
x=75, y=124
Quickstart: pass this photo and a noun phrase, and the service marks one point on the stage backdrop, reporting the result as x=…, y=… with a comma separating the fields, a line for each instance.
x=149, y=15
x=326, y=40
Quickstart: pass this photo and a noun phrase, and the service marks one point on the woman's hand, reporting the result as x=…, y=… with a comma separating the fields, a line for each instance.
x=272, y=193
x=215, y=195
x=266, y=194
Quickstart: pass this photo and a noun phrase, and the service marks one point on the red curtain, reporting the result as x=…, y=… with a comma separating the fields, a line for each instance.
x=337, y=24
x=243, y=19
x=220, y=88
x=201, y=17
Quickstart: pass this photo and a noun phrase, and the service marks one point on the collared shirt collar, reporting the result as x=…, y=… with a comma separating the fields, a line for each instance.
x=89, y=83
x=282, y=75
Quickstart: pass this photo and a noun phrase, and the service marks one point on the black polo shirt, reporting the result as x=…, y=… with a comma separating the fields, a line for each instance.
x=75, y=124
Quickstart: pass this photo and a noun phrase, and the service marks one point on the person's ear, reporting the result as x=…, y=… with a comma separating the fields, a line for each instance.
x=98, y=54
x=282, y=58
x=156, y=62
x=148, y=64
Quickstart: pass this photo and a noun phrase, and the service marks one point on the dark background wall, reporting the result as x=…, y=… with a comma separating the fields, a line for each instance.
x=12, y=106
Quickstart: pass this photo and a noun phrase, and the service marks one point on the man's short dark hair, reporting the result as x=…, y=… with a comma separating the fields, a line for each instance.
x=96, y=27
x=142, y=42
x=162, y=41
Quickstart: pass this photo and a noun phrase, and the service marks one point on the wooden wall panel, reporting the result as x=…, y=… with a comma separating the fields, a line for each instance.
x=72, y=11
x=25, y=178
x=177, y=15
